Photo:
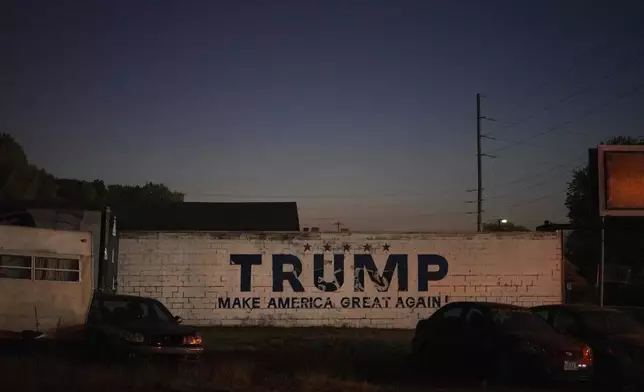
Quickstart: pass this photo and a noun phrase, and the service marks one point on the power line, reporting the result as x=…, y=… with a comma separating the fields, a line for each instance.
x=561, y=125
x=415, y=214
x=532, y=186
x=576, y=61
x=504, y=195
x=314, y=197
x=575, y=93
x=532, y=201
x=549, y=170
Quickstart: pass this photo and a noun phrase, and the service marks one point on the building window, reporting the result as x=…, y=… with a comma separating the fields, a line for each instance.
x=39, y=268
x=62, y=270
x=15, y=267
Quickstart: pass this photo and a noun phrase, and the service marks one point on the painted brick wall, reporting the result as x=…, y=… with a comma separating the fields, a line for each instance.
x=206, y=279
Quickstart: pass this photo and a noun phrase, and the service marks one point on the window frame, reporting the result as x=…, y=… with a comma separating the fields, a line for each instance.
x=34, y=256
x=13, y=267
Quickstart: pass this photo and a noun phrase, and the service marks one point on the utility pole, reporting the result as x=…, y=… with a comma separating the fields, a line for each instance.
x=479, y=188
x=338, y=224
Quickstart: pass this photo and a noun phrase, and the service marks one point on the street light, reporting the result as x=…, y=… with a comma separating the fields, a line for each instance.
x=502, y=221
x=499, y=222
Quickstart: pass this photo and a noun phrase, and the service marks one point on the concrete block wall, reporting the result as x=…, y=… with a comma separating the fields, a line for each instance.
x=316, y=279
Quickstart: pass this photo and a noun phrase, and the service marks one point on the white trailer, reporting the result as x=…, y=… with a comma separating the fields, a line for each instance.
x=46, y=283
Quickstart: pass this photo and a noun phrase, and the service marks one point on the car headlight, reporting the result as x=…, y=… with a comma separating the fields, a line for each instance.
x=192, y=340
x=132, y=337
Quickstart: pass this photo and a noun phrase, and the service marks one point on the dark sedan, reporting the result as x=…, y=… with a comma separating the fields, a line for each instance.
x=615, y=337
x=122, y=324
x=498, y=343
x=637, y=312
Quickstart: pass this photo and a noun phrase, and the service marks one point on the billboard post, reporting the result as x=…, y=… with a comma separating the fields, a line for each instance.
x=602, y=265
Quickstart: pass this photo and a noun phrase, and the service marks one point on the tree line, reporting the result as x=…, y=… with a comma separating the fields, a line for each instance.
x=22, y=181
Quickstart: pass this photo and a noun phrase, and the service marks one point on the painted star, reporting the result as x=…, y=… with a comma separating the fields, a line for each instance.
x=347, y=247
x=385, y=247
x=307, y=247
x=327, y=247
x=366, y=247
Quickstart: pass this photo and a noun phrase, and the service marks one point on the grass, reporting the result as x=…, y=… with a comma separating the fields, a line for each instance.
x=241, y=359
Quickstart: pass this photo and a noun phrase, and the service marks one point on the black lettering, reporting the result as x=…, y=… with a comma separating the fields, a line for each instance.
x=255, y=302
x=246, y=303
x=317, y=302
x=421, y=302
x=382, y=282
x=400, y=303
x=345, y=302
x=246, y=262
x=328, y=304
x=410, y=302
x=424, y=275
x=318, y=273
x=224, y=303
x=283, y=303
x=237, y=303
x=272, y=304
x=295, y=303
x=376, y=303
x=386, y=299
x=293, y=277
x=355, y=302
x=366, y=302
x=436, y=301
x=305, y=302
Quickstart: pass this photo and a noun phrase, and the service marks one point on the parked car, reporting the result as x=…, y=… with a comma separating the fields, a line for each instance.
x=499, y=343
x=135, y=326
x=637, y=312
x=617, y=340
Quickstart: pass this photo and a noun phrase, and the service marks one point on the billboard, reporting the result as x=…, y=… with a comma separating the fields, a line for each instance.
x=621, y=180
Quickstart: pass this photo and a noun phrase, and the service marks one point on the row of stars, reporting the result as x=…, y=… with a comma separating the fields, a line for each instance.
x=347, y=247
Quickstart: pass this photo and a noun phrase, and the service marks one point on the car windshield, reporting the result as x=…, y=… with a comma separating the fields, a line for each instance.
x=513, y=320
x=117, y=311
x=610, y=322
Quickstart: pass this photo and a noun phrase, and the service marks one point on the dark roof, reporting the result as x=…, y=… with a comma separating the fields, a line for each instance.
x=188, y=216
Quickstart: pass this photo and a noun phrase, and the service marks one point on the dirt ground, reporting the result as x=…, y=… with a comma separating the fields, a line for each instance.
x=243, y=359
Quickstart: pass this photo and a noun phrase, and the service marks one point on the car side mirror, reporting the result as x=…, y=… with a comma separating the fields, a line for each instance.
x=178, y=319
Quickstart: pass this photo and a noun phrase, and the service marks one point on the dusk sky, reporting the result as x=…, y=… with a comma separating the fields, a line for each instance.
x=362, y=111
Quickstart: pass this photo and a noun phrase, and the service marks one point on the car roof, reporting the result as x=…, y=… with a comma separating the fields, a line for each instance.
x=489, y=305
x=577, y=308
x=628, y=307
x=123, y=297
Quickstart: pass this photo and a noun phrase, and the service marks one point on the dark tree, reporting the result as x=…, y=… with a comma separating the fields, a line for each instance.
x=20, y=181
x=147, y=194
x=508, y=226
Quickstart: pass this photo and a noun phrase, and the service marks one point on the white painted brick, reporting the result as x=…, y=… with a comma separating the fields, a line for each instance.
x=190, y=271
